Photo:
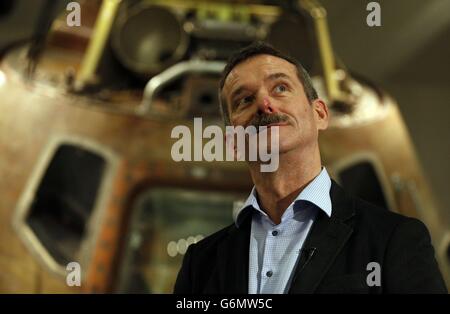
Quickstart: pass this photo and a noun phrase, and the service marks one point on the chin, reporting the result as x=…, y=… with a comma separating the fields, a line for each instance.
x=284, y=147
x=286, y=142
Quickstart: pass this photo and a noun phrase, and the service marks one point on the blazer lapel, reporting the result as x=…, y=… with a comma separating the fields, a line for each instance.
x=327, y=237
x=233, y=256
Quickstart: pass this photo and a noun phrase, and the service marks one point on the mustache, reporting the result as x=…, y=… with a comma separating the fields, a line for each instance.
x=266, y=119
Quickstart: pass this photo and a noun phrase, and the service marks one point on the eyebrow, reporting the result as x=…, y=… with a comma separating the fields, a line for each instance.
x=271, y=77
x=275, y=76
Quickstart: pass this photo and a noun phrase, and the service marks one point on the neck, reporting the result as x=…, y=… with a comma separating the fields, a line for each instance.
x=278, y=189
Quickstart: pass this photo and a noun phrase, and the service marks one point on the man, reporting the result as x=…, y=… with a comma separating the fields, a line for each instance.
x=298, y=231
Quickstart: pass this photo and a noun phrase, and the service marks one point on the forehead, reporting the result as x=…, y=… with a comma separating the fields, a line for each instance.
x=257, y=68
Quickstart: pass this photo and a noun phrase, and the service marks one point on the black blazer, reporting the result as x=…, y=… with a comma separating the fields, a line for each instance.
x=334, y=258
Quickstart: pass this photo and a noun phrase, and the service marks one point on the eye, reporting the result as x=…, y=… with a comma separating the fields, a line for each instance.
x=280, y=88
x=244, y=101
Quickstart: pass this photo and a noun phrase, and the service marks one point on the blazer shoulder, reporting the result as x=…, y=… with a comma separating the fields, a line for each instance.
x=365, y=213
x=384, y=219
x=374, y=211
x=404, y=248
x=214, y=239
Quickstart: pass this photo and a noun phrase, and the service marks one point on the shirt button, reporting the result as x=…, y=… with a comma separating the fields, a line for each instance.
x=269, y=273
x=274, y=233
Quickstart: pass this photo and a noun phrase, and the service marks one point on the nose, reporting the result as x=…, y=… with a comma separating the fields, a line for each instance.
x=265, y=106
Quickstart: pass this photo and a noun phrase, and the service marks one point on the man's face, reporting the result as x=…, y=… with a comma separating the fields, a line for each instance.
x=266, y=89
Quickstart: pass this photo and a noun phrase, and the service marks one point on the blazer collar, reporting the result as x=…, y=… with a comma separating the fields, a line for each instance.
x=325, y=240
x=316, y=192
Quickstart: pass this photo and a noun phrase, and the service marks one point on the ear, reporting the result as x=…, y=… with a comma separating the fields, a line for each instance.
x=321, y=114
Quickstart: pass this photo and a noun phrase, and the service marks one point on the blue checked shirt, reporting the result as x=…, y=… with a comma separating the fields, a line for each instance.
x=275, y=249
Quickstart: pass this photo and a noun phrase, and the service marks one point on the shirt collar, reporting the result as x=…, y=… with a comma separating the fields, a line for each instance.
x=316, y=192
